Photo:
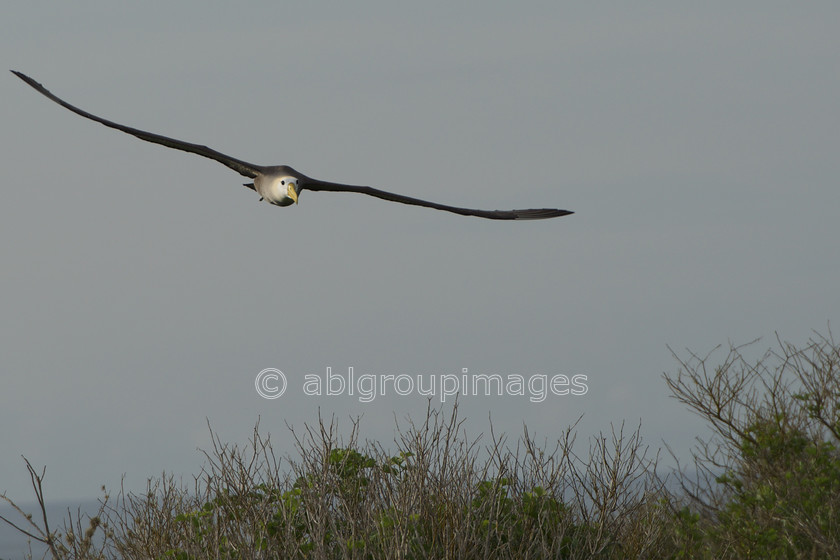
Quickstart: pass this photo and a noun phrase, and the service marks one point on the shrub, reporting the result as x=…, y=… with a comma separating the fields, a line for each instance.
x=766, y=484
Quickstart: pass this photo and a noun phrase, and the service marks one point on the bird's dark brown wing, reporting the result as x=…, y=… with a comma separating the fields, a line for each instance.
x=242, y=167
x=526, y=214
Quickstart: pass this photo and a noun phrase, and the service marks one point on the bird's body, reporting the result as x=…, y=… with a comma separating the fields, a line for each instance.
x=280, y=184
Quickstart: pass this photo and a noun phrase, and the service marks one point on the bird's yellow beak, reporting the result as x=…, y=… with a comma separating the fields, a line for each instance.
x=290, y=190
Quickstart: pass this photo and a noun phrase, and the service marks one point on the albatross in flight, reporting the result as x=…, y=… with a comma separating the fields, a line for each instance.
x=281, y=185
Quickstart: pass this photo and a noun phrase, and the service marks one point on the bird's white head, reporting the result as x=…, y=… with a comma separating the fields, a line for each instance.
x=291, y=184
x=281, y=190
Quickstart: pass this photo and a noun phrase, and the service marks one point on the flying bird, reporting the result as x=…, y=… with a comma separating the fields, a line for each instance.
x=280, y=184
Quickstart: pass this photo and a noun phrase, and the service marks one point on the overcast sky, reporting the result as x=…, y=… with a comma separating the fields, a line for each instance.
x=143, y=289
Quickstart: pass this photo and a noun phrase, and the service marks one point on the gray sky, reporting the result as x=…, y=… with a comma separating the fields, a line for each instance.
x=143, y=288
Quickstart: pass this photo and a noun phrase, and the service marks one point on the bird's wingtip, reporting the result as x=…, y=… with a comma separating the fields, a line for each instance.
x=24, y=77
x=541, y=214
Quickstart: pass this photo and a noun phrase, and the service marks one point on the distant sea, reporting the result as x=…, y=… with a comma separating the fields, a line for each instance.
x=14, y=545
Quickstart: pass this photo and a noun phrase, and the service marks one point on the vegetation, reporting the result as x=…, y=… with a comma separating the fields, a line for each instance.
x=768, y=481
x=765, y=485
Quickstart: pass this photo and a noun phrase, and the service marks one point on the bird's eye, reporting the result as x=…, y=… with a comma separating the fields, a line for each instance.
x=282, y=182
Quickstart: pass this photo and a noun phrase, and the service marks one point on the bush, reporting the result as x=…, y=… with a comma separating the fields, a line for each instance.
x=433, y=498
x=769, y=479
x=766, y=484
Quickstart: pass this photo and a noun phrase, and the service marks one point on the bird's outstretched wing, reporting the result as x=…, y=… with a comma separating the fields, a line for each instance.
x=526, y=214
x=242, y=167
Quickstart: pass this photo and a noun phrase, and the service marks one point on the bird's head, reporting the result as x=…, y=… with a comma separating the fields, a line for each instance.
x=292, y=186
x=280, y=190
